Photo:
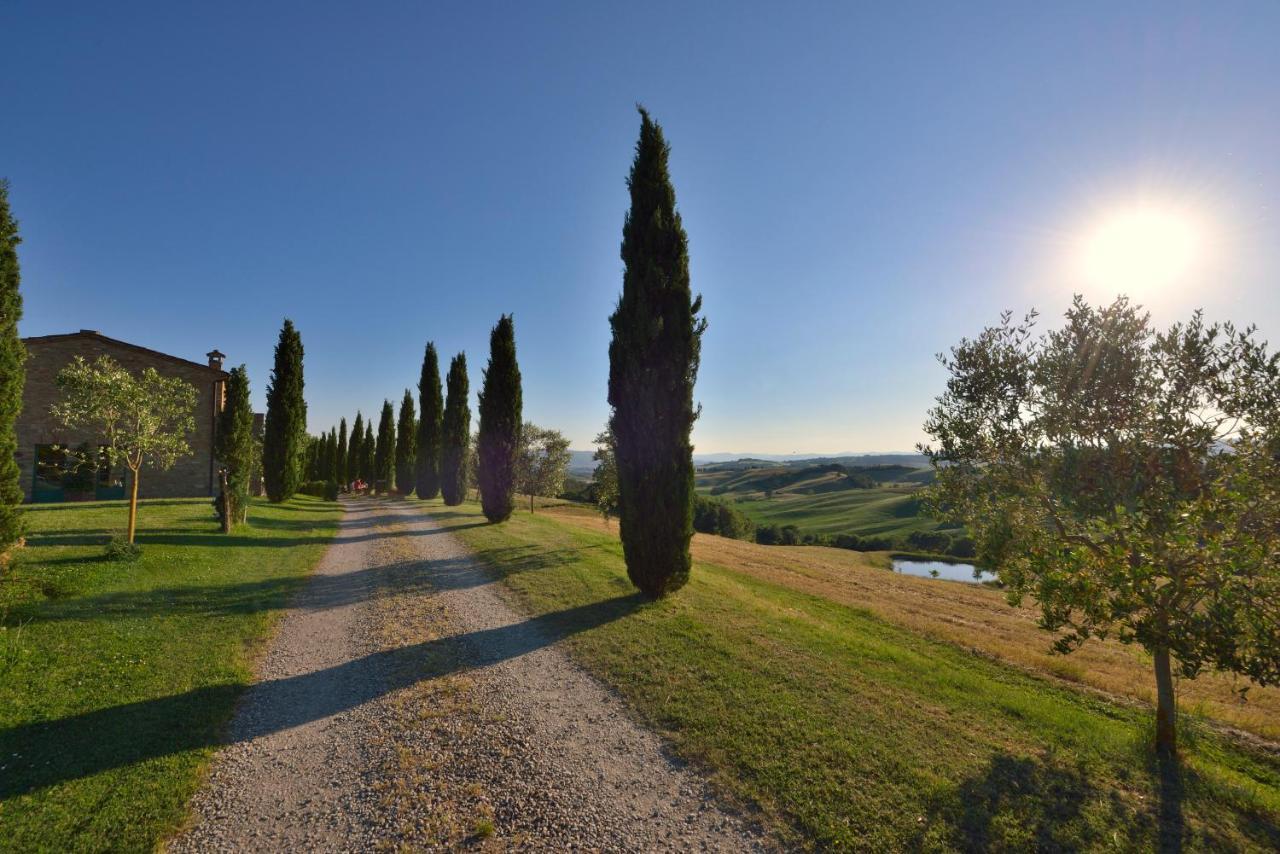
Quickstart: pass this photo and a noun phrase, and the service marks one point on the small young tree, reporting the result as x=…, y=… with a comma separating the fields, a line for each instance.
x=384, y=456
x=653, y=362
x=142, y=419
x=1124, y=478
x=406, y=445
x=340, y=454
x=368, y=456
x=12, y=376
x=605, y=478
x=456, y=433
x=498, y=439
x=430, y=426
x=284, y=440
x=234, y=445
x=354, y=449
x=541, y=462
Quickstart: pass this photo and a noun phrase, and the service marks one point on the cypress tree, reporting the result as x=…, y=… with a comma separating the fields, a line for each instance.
x=368, y=450
x=384, y=457
x=331, y=461
x=286, y=427
x=430, y=425
x=353, y=450
x=653, y=362
x=406, y=445
x=13, y=357
x=340, y=454
x=498, y=439
x=456, y=433
x=234, y=445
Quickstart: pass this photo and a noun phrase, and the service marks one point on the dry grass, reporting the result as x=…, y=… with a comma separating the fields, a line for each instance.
x=971, y=616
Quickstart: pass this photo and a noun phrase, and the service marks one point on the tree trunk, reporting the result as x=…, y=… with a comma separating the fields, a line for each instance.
x=530, y=502
x=133, y=503
x=1166, y=708
x=226, y=503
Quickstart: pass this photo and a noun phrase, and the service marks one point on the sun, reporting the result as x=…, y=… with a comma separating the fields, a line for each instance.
x=1143, y=250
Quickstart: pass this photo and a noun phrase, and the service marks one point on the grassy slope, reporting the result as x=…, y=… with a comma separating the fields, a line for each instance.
x=122, y=674
x=850, y=731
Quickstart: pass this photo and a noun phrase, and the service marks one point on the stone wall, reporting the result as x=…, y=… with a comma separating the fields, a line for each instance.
x=192, y=475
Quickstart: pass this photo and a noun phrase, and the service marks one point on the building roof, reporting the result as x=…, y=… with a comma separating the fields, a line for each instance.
x=98, y=336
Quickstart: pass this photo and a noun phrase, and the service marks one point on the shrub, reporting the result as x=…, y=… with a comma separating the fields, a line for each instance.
x=314, y=488
x=330, y=490
x=119, y=548
x=711, y=516
x=768, y=535
x=929, y=541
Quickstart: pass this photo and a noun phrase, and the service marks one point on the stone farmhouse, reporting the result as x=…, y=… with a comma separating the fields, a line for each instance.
x=43, y=444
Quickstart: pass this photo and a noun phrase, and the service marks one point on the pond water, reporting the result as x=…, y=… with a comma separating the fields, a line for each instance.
x=940, y=569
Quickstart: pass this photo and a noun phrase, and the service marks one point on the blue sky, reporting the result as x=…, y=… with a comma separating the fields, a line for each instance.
x=862, y=185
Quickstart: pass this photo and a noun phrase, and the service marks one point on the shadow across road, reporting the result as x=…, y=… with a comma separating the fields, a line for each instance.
x=50, y=752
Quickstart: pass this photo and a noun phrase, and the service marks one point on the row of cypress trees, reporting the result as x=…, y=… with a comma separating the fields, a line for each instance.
x=654, y=355
x=429, y=455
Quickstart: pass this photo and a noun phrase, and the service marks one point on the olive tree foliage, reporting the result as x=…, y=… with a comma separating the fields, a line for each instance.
x=1128, y=480
x=541, y=461
x=605, y=478
x=140, y=418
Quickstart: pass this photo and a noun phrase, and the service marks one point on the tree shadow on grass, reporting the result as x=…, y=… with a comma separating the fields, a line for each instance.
x=1019, y=803
x=41, y=754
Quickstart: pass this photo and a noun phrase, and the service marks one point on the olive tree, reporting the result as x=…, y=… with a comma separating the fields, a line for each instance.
x=140, y=419
x=541, y=462
x=605, y=478
x=1128, y=480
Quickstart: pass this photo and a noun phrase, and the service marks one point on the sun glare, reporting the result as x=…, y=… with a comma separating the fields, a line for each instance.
x=1143, y=250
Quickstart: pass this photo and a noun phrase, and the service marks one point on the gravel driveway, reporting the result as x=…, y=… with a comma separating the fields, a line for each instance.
x=404, y=704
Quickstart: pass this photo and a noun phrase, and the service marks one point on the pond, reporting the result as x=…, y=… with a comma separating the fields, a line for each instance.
x=940, y=569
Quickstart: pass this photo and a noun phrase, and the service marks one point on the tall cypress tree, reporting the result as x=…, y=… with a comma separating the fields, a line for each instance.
x=13, y=356
x=368, y=450
x=501, y=415
x=406, y=445
x=456, y=433
x=653, y=362
x=340, y=454
x=283, y=442
x=331, y=462
x=430, y=425
x=234, y=445
x=353, y=450
x=384, y=457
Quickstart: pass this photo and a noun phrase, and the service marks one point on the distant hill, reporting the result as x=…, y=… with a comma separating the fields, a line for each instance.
x=581, y=463
x=894, y=468
x=760, y=477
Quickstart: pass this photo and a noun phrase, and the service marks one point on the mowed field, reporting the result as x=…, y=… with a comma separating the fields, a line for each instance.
x=820, y=502
x=890, y=511
x=117, y=678
x=857, y=709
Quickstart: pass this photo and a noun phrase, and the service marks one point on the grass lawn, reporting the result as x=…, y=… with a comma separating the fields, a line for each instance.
x=850, y=731
x=116, y=678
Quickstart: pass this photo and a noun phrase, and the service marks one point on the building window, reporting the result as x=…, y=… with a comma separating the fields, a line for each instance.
x=73, y=474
